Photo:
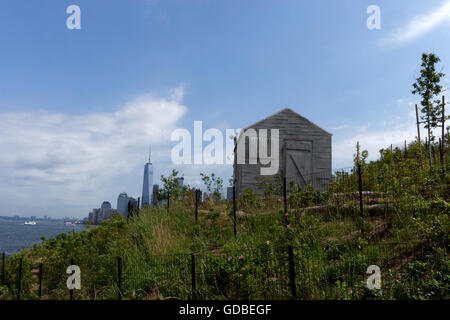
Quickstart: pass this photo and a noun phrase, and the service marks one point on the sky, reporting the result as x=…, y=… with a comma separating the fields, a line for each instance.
x=79, y=108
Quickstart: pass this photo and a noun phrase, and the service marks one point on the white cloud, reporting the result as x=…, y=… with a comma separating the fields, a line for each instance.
x=372, y=141
x=419, y=25
x=398, y=125
x=397, y=128
x=340, y=127
x=50, y=158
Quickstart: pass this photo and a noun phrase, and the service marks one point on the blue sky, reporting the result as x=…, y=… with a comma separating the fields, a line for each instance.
x=80, y=107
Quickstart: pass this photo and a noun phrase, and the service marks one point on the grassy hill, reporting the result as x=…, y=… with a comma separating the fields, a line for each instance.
x=324, y=242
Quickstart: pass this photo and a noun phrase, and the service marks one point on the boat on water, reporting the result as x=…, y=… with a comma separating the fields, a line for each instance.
x=30, y=223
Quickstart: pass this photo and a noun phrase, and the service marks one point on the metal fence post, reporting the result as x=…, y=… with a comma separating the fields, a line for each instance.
x=168, y=201
x=119, y=275
x=292, y=272
x=234, y=212
x=19, y=284
x=360, y=190
x=443, y=128
x=71, y=290
x=193, y=275
x=40, y=281
x=4, y=269
x=196, y=206
x=285, y=202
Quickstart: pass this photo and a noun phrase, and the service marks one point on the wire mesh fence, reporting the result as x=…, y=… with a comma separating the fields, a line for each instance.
x=329, y=272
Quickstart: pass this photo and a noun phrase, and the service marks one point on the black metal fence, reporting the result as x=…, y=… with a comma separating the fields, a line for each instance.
x=329, y=272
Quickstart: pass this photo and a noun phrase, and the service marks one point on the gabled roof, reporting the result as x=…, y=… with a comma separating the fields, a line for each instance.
x=283, y=111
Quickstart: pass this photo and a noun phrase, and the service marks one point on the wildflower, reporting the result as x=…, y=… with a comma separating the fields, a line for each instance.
x=286, y=214
x=303, y=213
x=241, y=257
x=272, y=279
x=268, y=242
x=134, y=293
x=230, y=258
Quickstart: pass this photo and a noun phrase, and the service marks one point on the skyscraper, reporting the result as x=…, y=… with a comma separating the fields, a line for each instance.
x=148, y=182
x=98, y=217
x=106, y=210
x=155, y=195
x=91, y=217
x=132, y=204
x=122, y=204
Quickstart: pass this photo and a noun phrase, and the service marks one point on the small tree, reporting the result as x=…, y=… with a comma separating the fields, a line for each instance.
x=428, y=87
x=171, y=184
x=360, y=156
x=213, y=184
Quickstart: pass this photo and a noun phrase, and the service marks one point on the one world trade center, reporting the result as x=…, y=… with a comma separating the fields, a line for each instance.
x=148, y=182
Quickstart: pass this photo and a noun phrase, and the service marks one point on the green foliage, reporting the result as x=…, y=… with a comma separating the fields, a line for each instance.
x=304, y=197
x=250, y=200
x=213, y=183
x=272, y=187
x=332, y=243
x=428, y=87
x=171, y=185
x=427, y=279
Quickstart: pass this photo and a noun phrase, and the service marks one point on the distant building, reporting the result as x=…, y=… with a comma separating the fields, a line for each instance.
x=91, y=217
x=154, y=201
x=230, y=193
x=209, y=197
x=148, y=181
x=98, y=216
x=122, y=204
x=106, y=210
x=132, y=205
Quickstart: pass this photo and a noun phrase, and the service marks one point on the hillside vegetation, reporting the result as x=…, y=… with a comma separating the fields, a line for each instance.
x=404, y=230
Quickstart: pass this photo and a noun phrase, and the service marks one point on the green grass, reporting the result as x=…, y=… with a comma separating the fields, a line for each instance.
x=408, y=239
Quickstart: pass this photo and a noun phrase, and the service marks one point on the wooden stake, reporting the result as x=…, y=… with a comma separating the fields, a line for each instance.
x=418, y=125
x=443, y=126
x=429, y=141
x=418, y=137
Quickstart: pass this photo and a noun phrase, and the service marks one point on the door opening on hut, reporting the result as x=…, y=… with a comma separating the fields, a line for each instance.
x=299, y=162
